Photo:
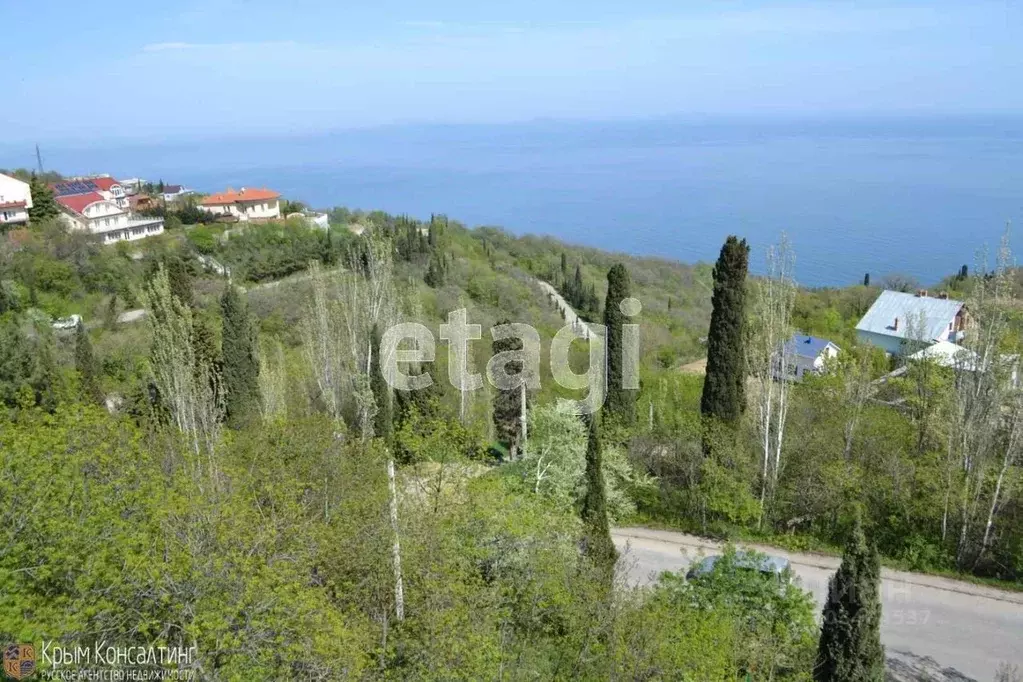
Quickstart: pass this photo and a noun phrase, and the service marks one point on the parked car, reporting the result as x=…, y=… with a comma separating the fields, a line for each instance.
x=762, y=563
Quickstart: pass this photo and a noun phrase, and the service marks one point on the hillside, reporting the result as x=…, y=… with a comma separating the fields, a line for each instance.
x=244, y=432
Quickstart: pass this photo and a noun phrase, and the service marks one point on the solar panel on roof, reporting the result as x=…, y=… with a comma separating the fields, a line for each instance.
x=63, y=189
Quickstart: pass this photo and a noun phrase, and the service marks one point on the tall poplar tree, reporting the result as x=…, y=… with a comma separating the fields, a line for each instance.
x=240, y=364
x=597, y=543
x=85, y=364
x=850, y=647
x=621, y=401
x=724, y=386
x=383, y=420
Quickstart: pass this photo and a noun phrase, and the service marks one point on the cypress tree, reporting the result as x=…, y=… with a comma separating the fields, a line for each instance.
x=432, y=235
x=508, y=403
x=724, y=386
x=85, y=364
x=850, y=645
x=621, y=402
x=44, y=204
x=866, y=280
x=577, y=292
x=180, y=279
x=564, y=269
x=597, y=544
x=240, y=366
x=435, y=271
x=383, y=420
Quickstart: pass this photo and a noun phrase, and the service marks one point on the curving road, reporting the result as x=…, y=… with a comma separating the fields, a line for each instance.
x=933, y=628
x=567, y=312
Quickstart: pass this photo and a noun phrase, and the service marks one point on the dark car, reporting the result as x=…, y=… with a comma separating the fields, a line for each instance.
x=746, y=560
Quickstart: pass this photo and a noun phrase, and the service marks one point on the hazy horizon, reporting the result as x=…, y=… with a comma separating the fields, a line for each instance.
x=213, y=67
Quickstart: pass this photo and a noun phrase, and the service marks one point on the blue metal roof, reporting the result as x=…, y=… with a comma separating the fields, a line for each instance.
x=805, y=346
x=927, y=316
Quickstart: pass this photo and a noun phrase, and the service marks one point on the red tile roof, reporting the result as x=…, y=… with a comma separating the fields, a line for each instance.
x=104, y=183
x=13, y=204
x=231, y=197
x=78, y=202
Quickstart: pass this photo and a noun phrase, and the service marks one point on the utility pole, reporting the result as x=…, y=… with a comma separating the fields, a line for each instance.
x=39, y=159
x=399, y=588
x=522, y=415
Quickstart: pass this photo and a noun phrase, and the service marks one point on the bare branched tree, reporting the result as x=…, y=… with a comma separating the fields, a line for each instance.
x=273, y=381
x=984, y=440
x=187, y=382
x=770, y=360
x=336, y=330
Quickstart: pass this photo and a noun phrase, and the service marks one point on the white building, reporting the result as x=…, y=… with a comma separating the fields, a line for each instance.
x=104, y=185
x=131, y=185
x=314, y=219
x=172, y=193
x=245, y=204
x=898, y=321
x=15, y=200
x=804, y=354
x=103, y=217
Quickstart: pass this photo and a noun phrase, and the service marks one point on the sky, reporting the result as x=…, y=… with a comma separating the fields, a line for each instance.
x=189, y=68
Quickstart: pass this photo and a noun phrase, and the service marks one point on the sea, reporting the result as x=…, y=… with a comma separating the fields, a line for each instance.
x=913, y=196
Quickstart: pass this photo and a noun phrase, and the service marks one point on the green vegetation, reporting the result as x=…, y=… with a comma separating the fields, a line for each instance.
x=241, y=367
x=383, y=419
x=272, y=545
x=597, y=544
x=85, y=365
x=508, y=403
x=772, y=614
x=621, y=400
x=44, y=205
x=724, y=388
x=850, y=643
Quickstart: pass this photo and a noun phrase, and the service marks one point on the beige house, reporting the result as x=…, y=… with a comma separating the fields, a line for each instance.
x=243, y=205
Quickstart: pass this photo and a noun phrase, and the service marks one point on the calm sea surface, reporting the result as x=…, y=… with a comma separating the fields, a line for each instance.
x=918, y=197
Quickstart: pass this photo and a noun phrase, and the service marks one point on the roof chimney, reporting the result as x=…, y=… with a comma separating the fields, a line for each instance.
x=895, y=325
x=943, y=295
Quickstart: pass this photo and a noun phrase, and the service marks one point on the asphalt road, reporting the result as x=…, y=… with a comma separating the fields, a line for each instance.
x=954, y=631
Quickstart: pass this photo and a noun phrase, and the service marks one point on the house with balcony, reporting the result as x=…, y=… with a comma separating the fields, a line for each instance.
x=106, y=186
x=244, y=205
x=903, y=323
x=99, y=215
x=15, y=200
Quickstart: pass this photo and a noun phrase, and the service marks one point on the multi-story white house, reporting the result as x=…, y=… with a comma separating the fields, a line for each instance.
x=15, y=200
x=92, y=212
x=245, y=204
x=104, y=185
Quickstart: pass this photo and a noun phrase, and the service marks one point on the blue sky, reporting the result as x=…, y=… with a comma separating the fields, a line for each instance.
x=219, y=67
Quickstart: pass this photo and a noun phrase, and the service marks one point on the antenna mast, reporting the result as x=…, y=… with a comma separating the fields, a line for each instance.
x=39, y=159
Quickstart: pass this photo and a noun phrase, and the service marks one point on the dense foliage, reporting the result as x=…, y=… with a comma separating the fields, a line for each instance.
x=278, y=547
x=621, y=399
x=724, y=387
x=850, y=643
